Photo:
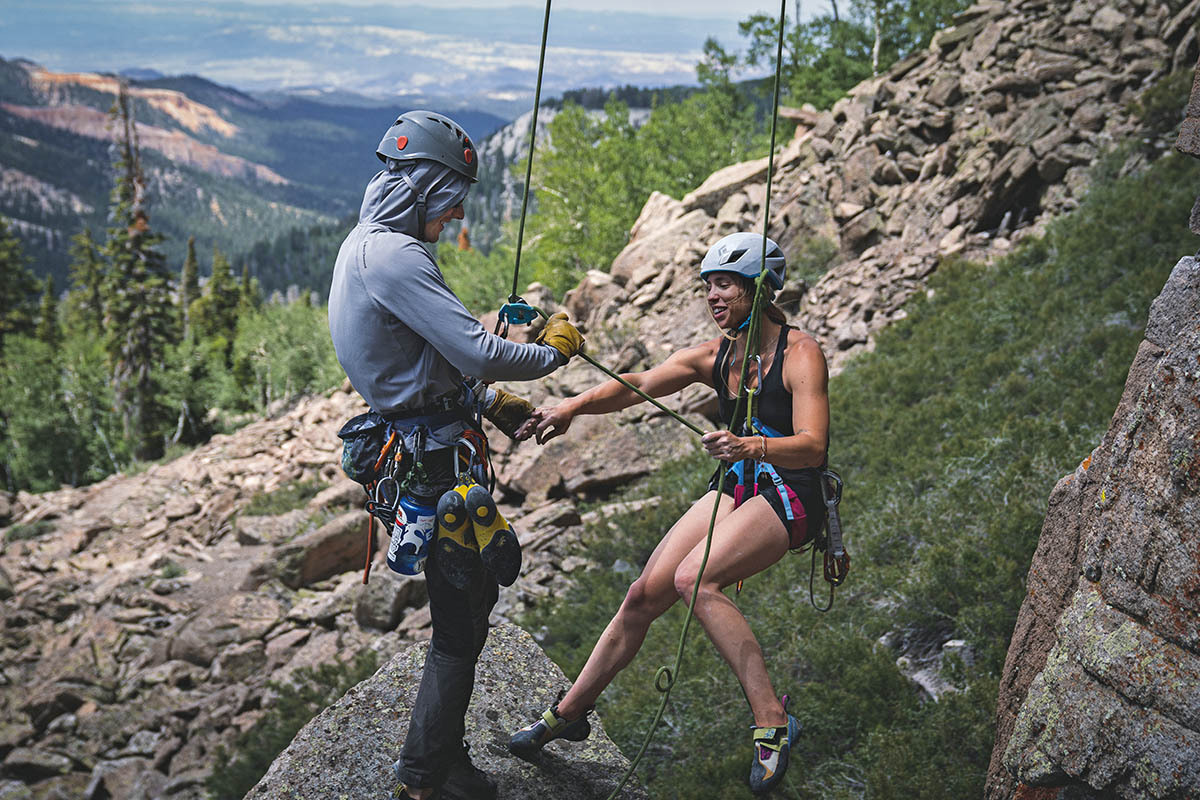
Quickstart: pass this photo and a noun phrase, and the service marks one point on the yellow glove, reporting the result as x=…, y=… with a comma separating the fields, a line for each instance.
x=561, y=335
x=507, y=412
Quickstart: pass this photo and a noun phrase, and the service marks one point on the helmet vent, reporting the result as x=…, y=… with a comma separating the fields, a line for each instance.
x=736, y=255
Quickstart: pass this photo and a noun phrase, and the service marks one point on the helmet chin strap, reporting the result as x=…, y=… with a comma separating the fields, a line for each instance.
x=420, y=195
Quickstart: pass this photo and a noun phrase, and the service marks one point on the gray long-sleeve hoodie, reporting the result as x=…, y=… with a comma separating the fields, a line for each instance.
x=400, y=333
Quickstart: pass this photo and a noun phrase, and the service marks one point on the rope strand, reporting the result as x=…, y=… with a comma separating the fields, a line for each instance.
x=537, y=101
x=665, y=678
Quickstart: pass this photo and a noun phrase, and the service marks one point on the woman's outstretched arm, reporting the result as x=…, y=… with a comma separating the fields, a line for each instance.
x=681, y=369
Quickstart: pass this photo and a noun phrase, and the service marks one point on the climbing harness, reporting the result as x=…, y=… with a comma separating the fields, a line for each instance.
x=387, y=456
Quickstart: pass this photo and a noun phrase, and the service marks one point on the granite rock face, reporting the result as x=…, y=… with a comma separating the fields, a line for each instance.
x=1101, y=689
x=348, y=749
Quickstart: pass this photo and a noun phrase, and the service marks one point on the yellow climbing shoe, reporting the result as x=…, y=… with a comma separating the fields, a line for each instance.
x=498, y=546
x=457, y=554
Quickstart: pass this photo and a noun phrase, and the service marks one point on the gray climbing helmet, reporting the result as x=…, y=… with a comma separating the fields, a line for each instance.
x=427, y=134
x=741, y=253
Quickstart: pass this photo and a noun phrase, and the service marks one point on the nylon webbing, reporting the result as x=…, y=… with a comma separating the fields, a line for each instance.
x=664, y=678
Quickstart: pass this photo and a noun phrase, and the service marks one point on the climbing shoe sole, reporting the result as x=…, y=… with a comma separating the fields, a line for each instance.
x=498, y=546
x=772, y=751
x=529, y=741
x=457, y=556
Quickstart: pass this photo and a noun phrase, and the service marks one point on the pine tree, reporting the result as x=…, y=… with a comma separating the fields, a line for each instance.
x=18, y=287
x=249, y=293
x=48, y=329
x=214, y=314
x=85, y=302
x=189, y=284
x=138, y=315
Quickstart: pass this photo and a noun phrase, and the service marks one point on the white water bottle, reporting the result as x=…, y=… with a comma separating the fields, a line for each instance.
x=411, y=535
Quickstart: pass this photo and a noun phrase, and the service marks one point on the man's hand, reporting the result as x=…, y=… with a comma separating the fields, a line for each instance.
x=510, y=414
x=561, y=335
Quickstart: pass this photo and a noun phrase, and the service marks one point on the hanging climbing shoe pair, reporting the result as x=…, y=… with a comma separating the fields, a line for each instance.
x=473, y=533
x=528, y=742
x=772, y=746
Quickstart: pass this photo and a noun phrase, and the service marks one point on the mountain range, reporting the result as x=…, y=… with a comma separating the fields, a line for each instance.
x=222, y=165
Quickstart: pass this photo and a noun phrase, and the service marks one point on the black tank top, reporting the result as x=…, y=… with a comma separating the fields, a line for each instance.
x=772, y=407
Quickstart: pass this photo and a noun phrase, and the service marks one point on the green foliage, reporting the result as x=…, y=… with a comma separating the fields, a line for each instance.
x=280, y=353
x=284, y=499
x=481, y=281
x=18, y=287
x=139, y=315
x=815, y=258
x=85, y=303
x=830, y=53
x=171, y=569
x=1162, y=107
x=214, y=314
x=596, y=173
x=189, y=284
x=43, y=445
x=26, y=531
x=236, y=770
x=950, y=435
x=596, y=98
x=300, y=256
x=48, y=329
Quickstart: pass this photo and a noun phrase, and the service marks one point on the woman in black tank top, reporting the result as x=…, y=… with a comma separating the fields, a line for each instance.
x=780, y=455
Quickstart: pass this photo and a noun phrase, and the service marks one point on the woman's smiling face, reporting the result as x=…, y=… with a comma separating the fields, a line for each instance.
x=728, y=300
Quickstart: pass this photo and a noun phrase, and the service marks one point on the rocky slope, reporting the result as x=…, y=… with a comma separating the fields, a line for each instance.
x=958, y=150
x=1099, y=695
x=1099, y=692
x=348, y=750
x=143, y=616
x=221, y=165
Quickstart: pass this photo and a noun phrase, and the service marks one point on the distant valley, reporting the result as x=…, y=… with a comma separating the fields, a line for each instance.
x=226, y=167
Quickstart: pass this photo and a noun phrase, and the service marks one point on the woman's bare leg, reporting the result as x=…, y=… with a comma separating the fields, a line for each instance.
x=647, y=599
x=744, y=543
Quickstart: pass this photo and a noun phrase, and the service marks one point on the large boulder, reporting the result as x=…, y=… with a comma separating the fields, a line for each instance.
x=348, y=749
x=1100, y=695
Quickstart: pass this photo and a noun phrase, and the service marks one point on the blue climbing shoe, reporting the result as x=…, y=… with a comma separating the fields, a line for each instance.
x=771, y=749
x=529, y=741
x=456, y=553
x=498, y=545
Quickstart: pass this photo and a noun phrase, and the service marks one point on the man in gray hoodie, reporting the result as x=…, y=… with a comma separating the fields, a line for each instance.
x=413, y=351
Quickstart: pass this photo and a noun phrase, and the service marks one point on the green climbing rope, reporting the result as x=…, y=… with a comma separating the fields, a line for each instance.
x=664, y=678
x=537, y=101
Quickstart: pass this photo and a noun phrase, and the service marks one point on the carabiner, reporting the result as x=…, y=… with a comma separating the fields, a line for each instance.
x=836, y=481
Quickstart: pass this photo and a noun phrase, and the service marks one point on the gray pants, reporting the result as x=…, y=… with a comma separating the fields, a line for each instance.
x=460, y=627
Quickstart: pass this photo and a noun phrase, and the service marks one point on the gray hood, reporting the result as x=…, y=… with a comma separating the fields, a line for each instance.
x=389, y=201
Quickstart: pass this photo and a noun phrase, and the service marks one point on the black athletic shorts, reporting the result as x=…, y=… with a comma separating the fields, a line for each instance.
x=807, y=489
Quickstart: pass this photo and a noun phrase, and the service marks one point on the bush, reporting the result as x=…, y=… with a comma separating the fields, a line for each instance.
x=31, y=530
x=236, y=770
x=284, y=499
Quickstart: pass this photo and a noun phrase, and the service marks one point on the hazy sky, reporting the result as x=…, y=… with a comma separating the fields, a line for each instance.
x=464, y=48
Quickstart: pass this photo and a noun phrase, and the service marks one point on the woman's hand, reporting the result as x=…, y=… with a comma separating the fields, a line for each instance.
x=546, y=422
x=727, y=447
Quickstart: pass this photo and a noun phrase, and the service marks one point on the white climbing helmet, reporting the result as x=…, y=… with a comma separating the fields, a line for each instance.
x=742, y=253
